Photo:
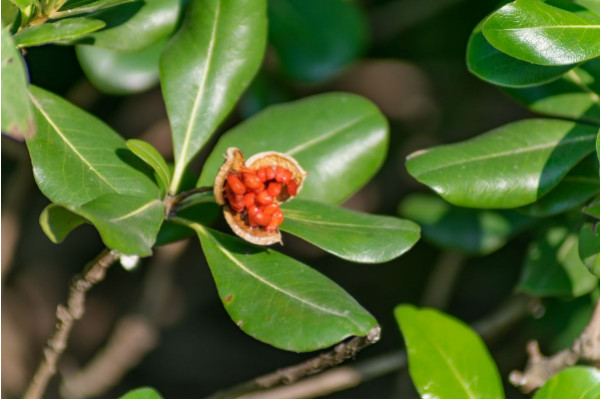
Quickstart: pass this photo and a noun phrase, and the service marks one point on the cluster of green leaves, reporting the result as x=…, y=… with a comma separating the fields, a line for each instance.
x=448, y=360
x=542, y=171
x=92, y=175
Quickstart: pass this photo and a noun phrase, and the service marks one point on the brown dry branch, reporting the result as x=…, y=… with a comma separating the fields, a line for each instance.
x=541, y=368
x=491, y=328
x=65, y=318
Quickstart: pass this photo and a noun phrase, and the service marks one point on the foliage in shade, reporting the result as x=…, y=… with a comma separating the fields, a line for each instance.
x=77, y=158
x=539, y=33
x=475, y=232
x=510, y=166
x=553, y=267
x=78, y=7
x=118, y=73
x=143, y=23
x=314, y=39
x=57, y=222
x=17, y=113
x=62, y=30
x=277, y=299
x=572, y=383
x=153, y=158
x=350, y=235
x=446, y=358
x=206, y=67
x=340, y=139
x=142, y=393
x=589, y=248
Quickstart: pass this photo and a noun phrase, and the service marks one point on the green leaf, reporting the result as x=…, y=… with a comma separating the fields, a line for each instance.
x=542, y=34
x=476, y=232
x=350, y=235
x=493, y=66
x=57, y=222
x=142, y=393
x=279, y=300
x=206, y=67
x=593, y=209
x=598, y=146
x=135, y=26
x=589, y=248
x=572, y=383
x=580, y=185
x=22, y=3
x=152, y=157
x=510, y=166
x=340, y=139
x=553, y=268
x=316, y=39
x=17, y=113
x=78, y=7
x=114, y=72
x=52, y=32
x=77, y=158
x=446, y=358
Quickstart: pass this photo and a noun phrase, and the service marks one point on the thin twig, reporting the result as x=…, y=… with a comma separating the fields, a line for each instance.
x=541, y=368
x=345, y=377
x=172, y=202
x=441, y=281
x=65, y=318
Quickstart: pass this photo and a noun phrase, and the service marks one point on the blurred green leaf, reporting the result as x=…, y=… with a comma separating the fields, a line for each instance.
x=593, y=209
x=17, y=113
x=114, y=72
x=78, y=7
x=264, y=91
x=135, y=26
x=572, y=383
x=507, y=167
x=22, y=3
x=350, y=235
x=77, y=158
x=476, y=232
x=580, y=185
x=57, y=222
x=152, y=157
x=553, y=268
x=142, y=393
x=316, y=39
x=8, y=13
x=446, y=358
x=52, y=32
x=493, y=66
x=279, y=300
x=340, y=139
x=543, y=34
x=589, y=248
x=206, y=67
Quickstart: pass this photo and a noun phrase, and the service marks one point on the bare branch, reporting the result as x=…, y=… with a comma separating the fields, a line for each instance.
x=65, y=318
x=541, y=368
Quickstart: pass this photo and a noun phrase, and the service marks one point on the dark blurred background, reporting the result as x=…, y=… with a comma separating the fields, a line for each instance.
x=413, y=68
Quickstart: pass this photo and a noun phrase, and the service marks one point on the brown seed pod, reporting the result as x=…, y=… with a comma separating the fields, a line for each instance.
x=234, y=162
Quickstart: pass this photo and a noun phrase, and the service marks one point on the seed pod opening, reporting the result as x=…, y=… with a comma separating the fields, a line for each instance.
x=251, y=191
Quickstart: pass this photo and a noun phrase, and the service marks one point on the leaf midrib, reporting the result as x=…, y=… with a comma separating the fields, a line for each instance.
x=290, y=215
x=135, y=212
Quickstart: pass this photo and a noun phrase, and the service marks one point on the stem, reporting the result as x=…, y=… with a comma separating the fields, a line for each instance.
x=65, y=318
x=172, y=202
x=177, y=176
x=441, y=281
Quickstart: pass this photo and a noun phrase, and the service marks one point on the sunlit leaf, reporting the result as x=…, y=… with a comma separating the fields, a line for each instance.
x=153, y=158
x=52, y=32
x=142, y=393
x=78, y=7
x=577, y=382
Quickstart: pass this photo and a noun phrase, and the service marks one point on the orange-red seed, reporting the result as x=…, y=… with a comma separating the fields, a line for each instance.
x=292, y=187
x=236, y=184
x=264, y=198
x=274, y=189
x=251, y=180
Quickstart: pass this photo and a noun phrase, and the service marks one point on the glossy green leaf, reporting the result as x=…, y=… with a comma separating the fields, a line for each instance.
x=446, y=358
x=316, y=39
x=153, y=158
x=598, y=146
x=52, y=32
x=22, y=3
x=142, y=393
x=264, y=91
x=340, y=139
x=589, y=248
x=553, y=268
x=510, y=166
x=114, y=72
x=580, y=185
x=591, y=5
x=77, y=158
x=493, y=66
x=279, y=300
x=476, y=232
x=78, y=7
x=8, y=14
x=593, y=209
x=543, y=34
x=572, y=383
x=350, y=235
x=57, y=222
x=206, y=67
x=135, y=26
x=17, y=113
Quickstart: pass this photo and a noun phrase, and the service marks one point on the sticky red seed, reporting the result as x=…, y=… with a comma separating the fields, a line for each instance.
x=253, y=210
x=236, y=184
x=264, y=198
x=274, y=189
x=292, y=187
x=271, y=208
x=249, y=199
x=251, y=180
x=270, y=173
x=262, y=174
x=262, y=219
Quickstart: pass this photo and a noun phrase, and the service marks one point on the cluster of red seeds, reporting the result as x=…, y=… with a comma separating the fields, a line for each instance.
x=254, y=191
